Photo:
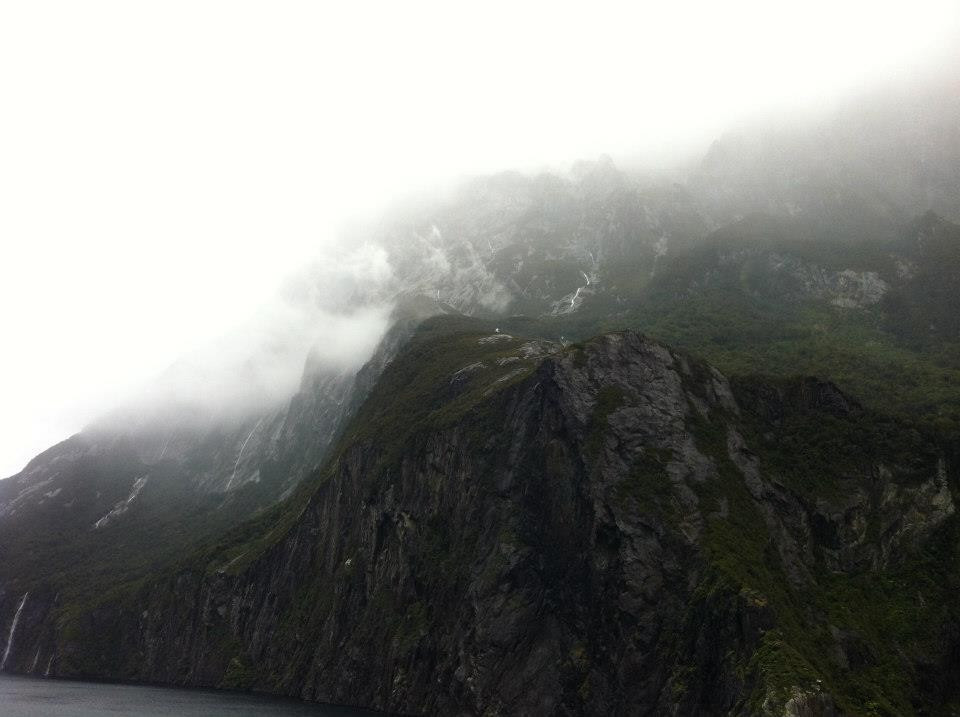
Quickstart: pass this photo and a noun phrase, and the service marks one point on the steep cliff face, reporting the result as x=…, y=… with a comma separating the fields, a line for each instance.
x=117, y=503
x=512, y=526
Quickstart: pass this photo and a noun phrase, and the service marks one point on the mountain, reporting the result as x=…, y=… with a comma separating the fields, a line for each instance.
x=510, y=525
x=587, y=470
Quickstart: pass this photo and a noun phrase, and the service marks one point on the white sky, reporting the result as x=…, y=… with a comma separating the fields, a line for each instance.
x=164, y=164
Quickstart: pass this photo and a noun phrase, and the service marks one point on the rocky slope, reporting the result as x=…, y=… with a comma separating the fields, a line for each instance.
x=514, y=526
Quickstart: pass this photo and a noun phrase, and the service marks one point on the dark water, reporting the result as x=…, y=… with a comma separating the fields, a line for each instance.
x=32, y=697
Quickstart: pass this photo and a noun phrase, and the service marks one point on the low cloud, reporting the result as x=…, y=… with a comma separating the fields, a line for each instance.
x=335, y=310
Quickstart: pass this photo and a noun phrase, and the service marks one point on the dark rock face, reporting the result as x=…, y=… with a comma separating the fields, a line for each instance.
x=603, y=530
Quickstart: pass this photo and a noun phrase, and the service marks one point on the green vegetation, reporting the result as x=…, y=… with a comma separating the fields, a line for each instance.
x=609, y=400
x=648, y=483
x=723, y=301
x=892, y=617
x=742, y=335
x=240, y=674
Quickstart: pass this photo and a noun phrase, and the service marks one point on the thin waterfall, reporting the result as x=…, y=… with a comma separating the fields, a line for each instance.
x=230, y=482
x=13, y=629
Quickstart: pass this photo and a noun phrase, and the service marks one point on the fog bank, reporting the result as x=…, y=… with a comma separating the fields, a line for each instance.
x=165, y=169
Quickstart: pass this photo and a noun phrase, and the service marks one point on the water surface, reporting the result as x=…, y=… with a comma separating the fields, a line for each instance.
x=33, y=697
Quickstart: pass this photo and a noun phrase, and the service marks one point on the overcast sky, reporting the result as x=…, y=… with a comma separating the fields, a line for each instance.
x=163, y=165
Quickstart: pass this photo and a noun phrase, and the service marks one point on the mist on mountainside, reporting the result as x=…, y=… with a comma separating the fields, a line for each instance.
x=128, y=254
x=334, y=310
x=859, y=170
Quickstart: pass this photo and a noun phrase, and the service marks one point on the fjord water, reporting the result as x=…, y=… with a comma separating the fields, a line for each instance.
x=32, y=697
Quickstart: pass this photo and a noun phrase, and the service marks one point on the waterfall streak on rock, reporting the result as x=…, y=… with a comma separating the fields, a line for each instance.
x=240, y=455
x=13, y=629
